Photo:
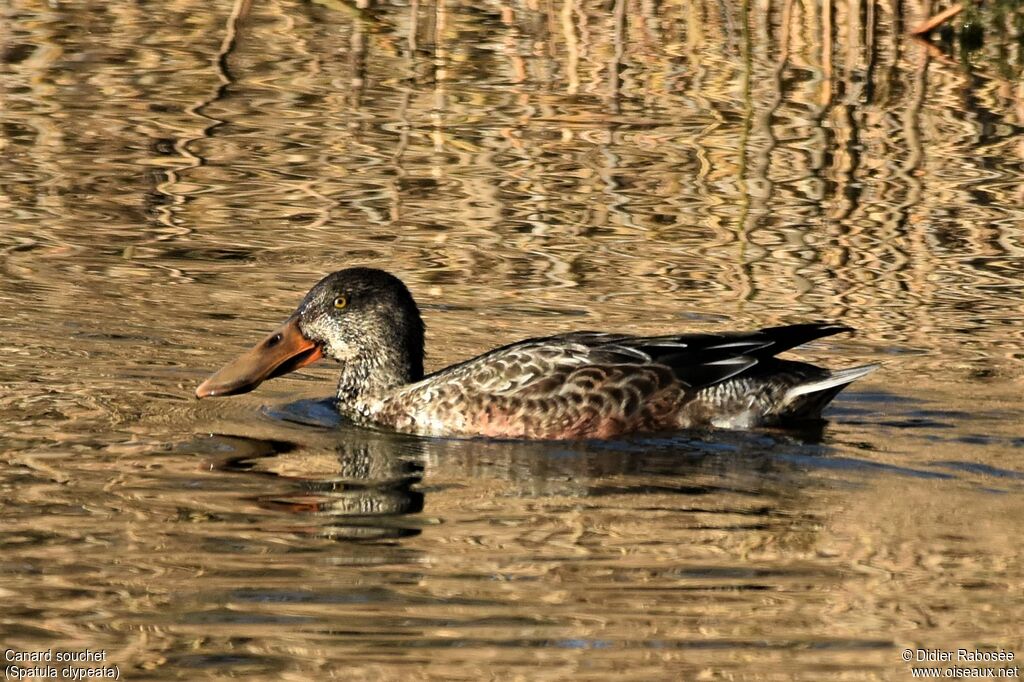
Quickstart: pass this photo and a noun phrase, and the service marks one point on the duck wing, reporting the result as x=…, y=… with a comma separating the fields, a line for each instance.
x=695, y=360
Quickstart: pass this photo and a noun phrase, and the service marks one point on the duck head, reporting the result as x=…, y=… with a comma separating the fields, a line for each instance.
x=363, y=318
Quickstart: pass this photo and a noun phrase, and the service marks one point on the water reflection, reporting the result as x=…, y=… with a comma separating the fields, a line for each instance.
x=175, y=175
x=672, y=524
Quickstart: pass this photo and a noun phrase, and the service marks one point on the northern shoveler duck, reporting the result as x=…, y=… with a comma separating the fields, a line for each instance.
x=576, y=385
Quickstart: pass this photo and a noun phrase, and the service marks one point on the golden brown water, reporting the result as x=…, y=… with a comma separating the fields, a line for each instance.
x=175, y=175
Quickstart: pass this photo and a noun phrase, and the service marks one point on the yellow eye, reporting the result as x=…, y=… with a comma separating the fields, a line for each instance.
x=341, y=302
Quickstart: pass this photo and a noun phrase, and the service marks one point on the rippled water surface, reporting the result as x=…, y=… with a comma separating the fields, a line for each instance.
x=174, y=176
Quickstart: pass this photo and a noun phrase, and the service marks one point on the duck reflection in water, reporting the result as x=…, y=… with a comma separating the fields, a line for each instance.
x=367, y=485
x=359, y=489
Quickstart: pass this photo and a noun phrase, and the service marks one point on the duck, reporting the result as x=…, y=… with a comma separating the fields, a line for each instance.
x=570, y=386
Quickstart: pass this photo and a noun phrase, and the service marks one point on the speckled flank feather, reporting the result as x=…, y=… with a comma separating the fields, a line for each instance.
x=578, y=385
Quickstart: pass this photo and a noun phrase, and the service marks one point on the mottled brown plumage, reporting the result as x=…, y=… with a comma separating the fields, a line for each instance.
x=576, y=385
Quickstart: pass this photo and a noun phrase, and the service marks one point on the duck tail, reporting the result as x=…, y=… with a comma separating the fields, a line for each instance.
x=806, y=400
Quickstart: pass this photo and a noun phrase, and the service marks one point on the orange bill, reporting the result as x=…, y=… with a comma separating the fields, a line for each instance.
x=285, y=350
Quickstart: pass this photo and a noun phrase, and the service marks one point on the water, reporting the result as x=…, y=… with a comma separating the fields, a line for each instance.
x=175, y=175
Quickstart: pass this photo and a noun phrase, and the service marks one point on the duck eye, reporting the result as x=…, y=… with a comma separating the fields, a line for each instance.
x=340, y=302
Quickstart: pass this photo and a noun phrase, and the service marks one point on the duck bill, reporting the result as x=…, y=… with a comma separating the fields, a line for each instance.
x=284, y=350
